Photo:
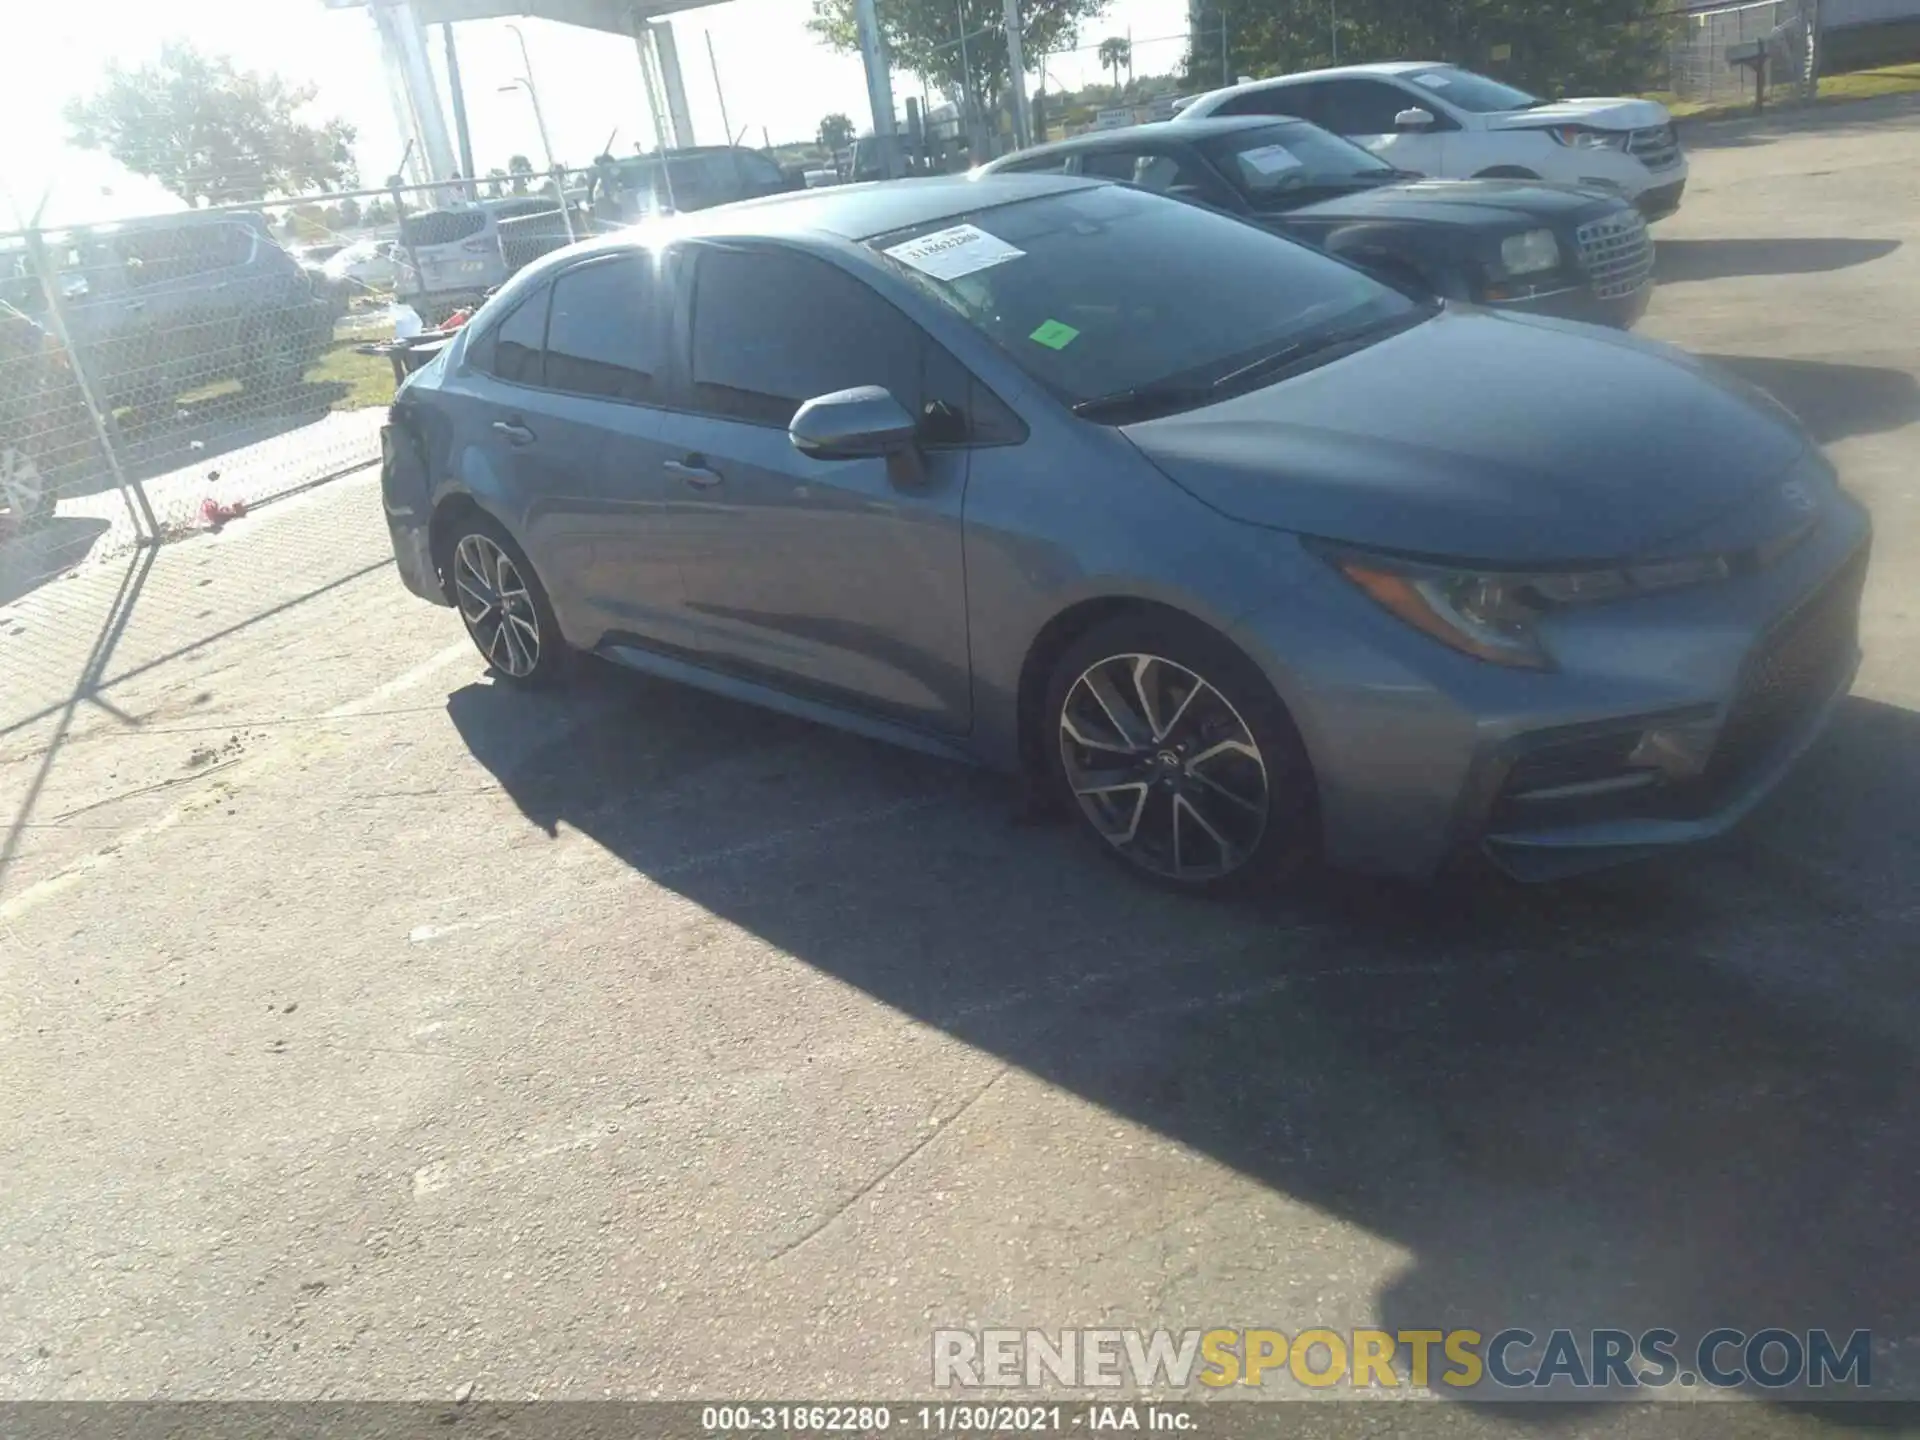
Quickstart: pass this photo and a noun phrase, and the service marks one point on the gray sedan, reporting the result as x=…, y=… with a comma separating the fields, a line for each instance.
x=1243, y=555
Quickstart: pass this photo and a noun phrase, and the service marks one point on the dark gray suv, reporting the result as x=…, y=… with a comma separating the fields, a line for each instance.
x=159, y=307
x=1240, y=552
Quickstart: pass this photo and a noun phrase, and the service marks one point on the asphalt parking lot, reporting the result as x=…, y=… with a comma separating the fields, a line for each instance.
x=372, y=1031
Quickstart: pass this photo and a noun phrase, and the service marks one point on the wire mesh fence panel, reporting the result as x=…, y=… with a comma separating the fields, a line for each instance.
x=1698, y=56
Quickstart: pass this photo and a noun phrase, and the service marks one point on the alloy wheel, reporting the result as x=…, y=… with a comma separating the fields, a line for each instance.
x=1164, y=767
x=494, y=602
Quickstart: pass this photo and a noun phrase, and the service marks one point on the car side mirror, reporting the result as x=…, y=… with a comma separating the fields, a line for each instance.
x=1413, y=118
x=861, y=423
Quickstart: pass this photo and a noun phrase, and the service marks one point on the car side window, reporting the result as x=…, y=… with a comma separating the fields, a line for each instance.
x=1157, y=171
x=772, y=329
x=1360, y=107
x=512, y=350
x=1044, y=165
x=602, y=335
x=1295, y=100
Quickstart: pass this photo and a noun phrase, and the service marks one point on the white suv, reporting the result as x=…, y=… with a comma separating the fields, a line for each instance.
x=1443, y=121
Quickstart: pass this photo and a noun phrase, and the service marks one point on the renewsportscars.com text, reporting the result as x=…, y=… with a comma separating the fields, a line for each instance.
x=1512, y=1359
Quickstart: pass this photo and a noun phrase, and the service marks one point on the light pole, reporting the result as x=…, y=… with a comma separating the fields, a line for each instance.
x=526, y=82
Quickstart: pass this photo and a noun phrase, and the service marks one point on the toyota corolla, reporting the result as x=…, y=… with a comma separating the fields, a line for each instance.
x=1242, y=554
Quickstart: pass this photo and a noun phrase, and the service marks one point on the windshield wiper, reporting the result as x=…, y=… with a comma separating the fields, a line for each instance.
x=1313, y=345
x=1140, y=401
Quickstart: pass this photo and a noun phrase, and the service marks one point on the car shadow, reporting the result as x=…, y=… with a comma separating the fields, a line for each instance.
x=1832, y=401
x=1677, y=1095
x=1679, y=261
x=30, y=558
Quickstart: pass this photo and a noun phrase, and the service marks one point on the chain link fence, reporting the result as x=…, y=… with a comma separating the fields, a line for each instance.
x=162, y=375
x=1697, y=51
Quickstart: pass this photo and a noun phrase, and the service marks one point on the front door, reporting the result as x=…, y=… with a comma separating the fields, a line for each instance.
x=824, y=577
x=1363, y=111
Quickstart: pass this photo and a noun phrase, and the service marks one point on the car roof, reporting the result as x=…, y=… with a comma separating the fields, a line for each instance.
x=859, y=212
x=1200, y=125
x=1275, y=82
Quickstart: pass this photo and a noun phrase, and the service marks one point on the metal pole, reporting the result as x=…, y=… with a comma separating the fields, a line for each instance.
x=1226, y=66
x=539, y=117
x=719, y=94
x=1017, y=73
x=966, y=89
x=460, y=130
x=1333, y=25
x=873, y=54
x=139, y=509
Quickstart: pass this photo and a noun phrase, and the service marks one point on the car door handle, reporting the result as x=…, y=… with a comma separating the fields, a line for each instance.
x=516, y=433
x=696, y=475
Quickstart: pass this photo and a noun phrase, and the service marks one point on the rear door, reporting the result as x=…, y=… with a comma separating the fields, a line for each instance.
x=576, y=374
x=821, y=576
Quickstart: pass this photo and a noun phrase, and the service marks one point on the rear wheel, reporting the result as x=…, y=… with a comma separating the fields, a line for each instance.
x=1177, y=755
x=503, y=604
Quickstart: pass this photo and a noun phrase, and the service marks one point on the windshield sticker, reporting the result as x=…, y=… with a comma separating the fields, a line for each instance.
x=1270, y=160
x=1055, y=335
x=1432, y=80
x=958, y=250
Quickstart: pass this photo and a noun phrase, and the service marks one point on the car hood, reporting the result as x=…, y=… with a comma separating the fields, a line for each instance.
x=1603, y=113
x=1487, y=437
x=1462, y=202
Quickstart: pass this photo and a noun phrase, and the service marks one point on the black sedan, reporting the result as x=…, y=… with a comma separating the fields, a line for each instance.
x=1515, y=244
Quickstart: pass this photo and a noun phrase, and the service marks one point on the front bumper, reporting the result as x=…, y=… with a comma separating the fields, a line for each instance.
x=1581, y=302
x=1423, y=757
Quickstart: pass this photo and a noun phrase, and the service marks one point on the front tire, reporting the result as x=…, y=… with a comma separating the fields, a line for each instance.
x=503, y=605
x=1177, y=756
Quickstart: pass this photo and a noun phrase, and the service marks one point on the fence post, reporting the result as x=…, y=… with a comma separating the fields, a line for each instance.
x=146, y=526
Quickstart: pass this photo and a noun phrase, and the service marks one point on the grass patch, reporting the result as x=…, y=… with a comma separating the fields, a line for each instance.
x=1834, y=89
x=366, y=380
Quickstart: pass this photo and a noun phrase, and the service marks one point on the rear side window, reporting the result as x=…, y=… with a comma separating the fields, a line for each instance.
x=1296, y=100
x=772, y=329
x=602, y=335
x=512, y=349
x=1360, y=107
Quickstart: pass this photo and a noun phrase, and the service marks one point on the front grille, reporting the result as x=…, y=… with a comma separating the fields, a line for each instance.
x=1789, y=676
x=1617, y=253
x=1657, y=147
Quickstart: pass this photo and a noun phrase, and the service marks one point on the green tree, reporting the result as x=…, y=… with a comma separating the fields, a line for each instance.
x=1567, y=47
x=836, y=132
x=923, y=37
x=1116, y=54
x=520, y=168
x=211, y=133
x=350, y=215
x=378, y=212
x=496, y=183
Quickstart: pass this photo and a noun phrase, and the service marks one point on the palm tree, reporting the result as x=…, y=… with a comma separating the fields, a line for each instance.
x=1115, y=53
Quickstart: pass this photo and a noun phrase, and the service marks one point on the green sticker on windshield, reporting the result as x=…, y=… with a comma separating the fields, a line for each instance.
x=1054, y=335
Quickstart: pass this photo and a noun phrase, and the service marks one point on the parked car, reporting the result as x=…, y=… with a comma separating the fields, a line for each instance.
x=1241, y=552
x=366, y=265
x=1447, y=122
x=695, y=177
x=448, y=259
x=1516, y=244
x=158, y=307
x=45, y=432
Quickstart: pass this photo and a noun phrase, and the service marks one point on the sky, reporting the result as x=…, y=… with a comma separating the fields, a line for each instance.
x=778, y=81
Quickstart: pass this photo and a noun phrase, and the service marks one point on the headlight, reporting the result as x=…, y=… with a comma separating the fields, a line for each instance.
x=1578, y=137
x=1492, y=615
x=1530, y=252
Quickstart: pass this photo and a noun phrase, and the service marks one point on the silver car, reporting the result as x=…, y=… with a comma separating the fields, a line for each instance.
x=1243, y=555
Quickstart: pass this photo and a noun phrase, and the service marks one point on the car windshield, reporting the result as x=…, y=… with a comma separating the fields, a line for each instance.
x=1275, y=162
x=1103, y=292
x=1468, y=91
